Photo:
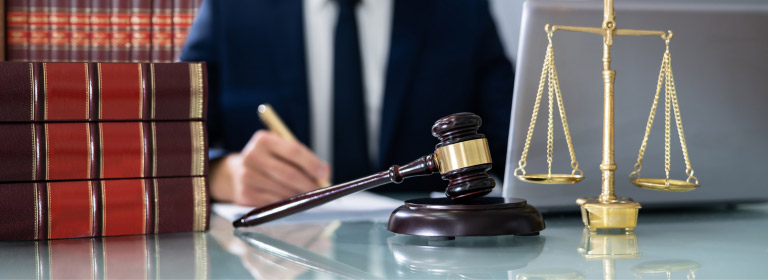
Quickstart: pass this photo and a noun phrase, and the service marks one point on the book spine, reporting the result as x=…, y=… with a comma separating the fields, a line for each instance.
x=141, y=16
x=184, y=12
x=162, y=31
x=3, y=30
x=68, y=154
x=179, y=89
x=119, y=91
x=65, y=92
x=78, y=92
x=60, y=40
x=71, y=209
x=39, y=30
x=17, y=33
x=19, y=153
x=120, y=26
x=17, y=101
x=80, y=25
x=179, y=149
x=100, y=31
x=102, y=150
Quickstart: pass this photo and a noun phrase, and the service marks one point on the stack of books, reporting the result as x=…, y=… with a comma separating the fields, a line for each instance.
x=98, y=30
x=102, y=149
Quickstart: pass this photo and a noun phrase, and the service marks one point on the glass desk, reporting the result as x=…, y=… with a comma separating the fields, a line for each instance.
x=705, y=244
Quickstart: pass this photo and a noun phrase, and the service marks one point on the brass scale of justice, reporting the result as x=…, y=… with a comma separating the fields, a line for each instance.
x=608, y=211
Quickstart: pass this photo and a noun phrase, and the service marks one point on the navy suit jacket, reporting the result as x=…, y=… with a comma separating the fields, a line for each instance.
x=445, y=57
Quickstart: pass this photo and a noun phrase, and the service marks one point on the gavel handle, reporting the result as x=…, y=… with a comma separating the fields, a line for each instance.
x=292, y=205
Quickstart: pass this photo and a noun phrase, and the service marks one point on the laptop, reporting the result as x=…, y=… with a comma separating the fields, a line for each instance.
x=719, y=58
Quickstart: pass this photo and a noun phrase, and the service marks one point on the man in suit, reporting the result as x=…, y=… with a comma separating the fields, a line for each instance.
x=360, y=81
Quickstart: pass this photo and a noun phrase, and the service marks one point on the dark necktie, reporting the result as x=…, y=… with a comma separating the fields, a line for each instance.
x=350, y=152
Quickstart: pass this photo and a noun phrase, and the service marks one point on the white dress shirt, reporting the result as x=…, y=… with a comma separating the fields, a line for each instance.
x=374, y=23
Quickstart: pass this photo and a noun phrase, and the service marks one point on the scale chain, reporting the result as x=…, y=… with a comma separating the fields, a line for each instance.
x=549, y=75
x=679, y=123
x=671, y=105
x=667, y=103
x=534, y=116
x=550, y=123
x=651, y=117
x=566, y=129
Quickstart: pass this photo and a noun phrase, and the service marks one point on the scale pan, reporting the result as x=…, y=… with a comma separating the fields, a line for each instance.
x=551, y=179
x=659, y=184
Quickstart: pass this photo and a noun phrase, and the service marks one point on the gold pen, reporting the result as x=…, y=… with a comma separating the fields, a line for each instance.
x=275, y=124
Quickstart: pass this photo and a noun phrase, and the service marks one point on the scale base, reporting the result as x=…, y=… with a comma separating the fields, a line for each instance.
x=441, y=218
x=620, y=213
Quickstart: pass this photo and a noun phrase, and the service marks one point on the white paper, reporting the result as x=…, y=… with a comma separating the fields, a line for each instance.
x=357, y=206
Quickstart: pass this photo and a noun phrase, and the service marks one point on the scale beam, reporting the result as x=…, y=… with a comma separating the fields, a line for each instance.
x=583, y=29
x=633, y=32
x=616, y=32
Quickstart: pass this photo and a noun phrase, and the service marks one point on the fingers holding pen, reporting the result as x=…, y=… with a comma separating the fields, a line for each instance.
x=286, y=175
x=232, y=181
x=287, y=162
x=300, y=156
x=268, y=169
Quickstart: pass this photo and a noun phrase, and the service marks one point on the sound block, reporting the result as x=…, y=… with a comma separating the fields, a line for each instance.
x=484, y=216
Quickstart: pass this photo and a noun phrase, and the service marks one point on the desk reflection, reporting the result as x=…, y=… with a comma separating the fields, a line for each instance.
x=667, y=268
x=669, y=245
x=311, y=250
x=465, y=257
x=183, y=255
x=608, y=247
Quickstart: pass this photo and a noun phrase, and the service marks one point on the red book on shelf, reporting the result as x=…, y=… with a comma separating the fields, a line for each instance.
x=78, y=92
x=100, y=33
x=39, y=30
x=184, y=12
x=120, y=28
x=58, y=19
x=162, y=31
x=141, y=16
x=17, y=32
x=80, y=28
x=86, y=208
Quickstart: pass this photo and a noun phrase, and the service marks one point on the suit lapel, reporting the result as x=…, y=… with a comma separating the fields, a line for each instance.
x=288, y=56
x=405, y=46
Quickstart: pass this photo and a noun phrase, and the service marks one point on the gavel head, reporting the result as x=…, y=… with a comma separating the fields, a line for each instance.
x=462, y=156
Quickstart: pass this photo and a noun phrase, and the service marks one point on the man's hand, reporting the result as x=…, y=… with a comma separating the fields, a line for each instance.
x=268, y=169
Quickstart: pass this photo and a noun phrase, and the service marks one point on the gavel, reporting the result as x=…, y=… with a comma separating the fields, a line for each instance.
x=462, y=157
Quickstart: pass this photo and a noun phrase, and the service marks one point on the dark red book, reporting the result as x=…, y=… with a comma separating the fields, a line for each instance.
x=100, y=33
x=184, y=12
x=2, y=30
x=17, y=32
x=58, y=20
x=78, y=92
x=141, y=16
x=102, y=150
x=86, y=208
x=162, y=31
x=120, y=28
x=39, y=30
x=80, y=28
